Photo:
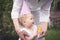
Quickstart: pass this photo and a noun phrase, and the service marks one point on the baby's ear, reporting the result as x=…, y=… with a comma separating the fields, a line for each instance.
x=24, y=22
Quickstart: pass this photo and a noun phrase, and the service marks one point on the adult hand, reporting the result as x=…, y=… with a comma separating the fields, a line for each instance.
x=43, y=33
x=44, y=26
x=22, y=35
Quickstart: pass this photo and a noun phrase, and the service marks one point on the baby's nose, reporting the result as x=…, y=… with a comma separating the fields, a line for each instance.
x=32, y=22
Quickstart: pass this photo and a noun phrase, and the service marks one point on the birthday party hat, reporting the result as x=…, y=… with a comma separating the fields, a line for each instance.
x=25, y=9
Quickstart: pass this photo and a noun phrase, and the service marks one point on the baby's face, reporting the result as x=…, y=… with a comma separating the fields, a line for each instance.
x=29, y=20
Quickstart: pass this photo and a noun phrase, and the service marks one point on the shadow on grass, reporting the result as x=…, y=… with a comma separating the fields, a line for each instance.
x=8, y=37
x=53, y=34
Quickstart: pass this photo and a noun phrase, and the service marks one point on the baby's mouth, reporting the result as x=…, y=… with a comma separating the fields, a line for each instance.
x=32, y=22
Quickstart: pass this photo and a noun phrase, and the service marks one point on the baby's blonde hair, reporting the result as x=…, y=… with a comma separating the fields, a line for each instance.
x=22, y=18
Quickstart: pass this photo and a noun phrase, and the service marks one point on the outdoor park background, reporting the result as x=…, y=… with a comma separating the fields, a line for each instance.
x=7, y=31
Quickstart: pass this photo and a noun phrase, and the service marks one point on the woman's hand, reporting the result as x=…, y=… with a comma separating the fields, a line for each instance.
x=28, y=38
x=22, y=35
x=43, y=33
x=44, y=26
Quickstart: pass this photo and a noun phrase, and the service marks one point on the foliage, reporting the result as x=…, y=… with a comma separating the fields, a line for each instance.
x=53, y=34
x=6, y=26
x=56, y=4
x=7, y=31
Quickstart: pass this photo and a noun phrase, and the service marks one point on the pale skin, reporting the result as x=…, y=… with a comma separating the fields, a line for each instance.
x=28, y=22
x=21, y=34
x=17, y=28
x=44, y=26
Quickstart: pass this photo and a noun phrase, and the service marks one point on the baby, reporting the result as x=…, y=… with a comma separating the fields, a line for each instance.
x=26, y=20
x=27, y=23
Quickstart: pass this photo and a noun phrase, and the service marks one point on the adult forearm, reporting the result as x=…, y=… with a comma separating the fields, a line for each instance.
x=44, y=26
x=16, y=25
x=20, y=33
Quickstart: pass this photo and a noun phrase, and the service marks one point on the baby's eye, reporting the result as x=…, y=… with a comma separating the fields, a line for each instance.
x=31, y=18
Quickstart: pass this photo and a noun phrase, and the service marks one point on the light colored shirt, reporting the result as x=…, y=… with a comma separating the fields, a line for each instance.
x=42, y=7
x=25, y=9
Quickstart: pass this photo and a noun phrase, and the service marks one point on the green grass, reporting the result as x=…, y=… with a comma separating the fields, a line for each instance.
x=53, y=34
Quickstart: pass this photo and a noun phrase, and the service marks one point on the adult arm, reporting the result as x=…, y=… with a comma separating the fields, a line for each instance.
x=15, y=15
x=44, y=16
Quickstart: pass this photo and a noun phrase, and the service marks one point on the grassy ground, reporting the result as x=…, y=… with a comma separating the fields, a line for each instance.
x=53, y=34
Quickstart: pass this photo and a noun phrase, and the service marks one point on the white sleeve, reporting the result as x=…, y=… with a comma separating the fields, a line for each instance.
x=16, y=8
x=45, y=12
x=44, y=16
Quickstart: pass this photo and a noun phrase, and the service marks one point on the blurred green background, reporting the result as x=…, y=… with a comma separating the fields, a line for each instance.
x=7, y=31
